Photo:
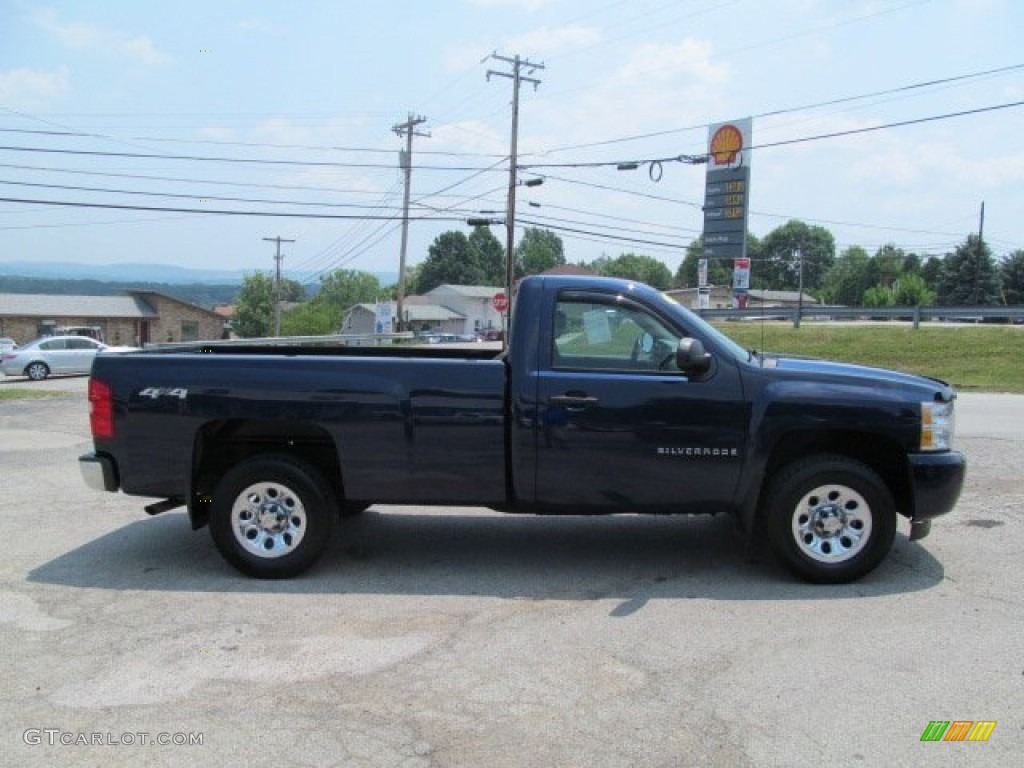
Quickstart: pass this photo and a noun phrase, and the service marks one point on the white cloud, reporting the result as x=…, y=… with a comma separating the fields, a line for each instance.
x=30, y=89
x=663, y=85
x=528, y=6
x=142, y=50
x=80, y=36
x=89, y=37
x=668, y=61
x=550, y=41
x=470, y=136
x=254, y=24
x=545, y=41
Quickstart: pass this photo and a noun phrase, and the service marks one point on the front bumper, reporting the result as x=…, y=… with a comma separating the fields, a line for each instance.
x=936, y=480
x=99, y=472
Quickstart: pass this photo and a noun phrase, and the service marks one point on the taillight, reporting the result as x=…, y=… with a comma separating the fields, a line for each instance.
x=101, y=408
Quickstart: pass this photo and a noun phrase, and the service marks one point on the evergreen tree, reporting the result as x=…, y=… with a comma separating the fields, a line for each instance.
x=1012, y=273
x=969, y=276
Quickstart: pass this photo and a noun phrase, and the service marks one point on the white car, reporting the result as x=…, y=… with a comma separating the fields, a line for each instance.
x=52, y=355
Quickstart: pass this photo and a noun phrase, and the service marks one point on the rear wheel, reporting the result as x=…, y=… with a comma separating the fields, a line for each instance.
x=37, y=371
x=271, y=516
x=830, y=519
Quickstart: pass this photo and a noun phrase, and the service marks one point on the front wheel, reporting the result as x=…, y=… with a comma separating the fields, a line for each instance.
x=271, y=516
x=830, y=519
x=37, y=371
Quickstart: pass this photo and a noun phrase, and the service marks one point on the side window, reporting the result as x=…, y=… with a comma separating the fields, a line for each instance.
x=53, y=344
x=82, y=343
x=593, y=334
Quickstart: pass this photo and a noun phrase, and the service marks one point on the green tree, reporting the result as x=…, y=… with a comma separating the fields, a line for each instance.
x=344, y=288
x=631, y=266
x=778, y=264
x=848, y=278
x=489, y=254
x=719, y=270
x=969, y=276
x=539, y=250
x=931, y=269
x=254, y=308
x=292, y=290
x=450, y=259
x=889, y=260
x=878, y=296
x=1012, y=272
x=339, y=292
x=912, y=291
x=313, y=318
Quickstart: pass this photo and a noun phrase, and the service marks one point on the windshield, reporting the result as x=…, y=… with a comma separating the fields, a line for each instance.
x=705, y=330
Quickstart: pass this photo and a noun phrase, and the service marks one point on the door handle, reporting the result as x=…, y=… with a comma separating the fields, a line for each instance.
x=572, y=400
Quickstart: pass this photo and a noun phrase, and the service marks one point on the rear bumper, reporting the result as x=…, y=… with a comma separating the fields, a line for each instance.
x=99, y=472
x=936, y=479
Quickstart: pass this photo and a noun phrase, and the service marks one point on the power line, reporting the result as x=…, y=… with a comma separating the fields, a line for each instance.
x=693, y=159
x=210, y=159
x=173, y=179
x=141, y=193
x=789, y=110
x=256, y=144
x=220, y=212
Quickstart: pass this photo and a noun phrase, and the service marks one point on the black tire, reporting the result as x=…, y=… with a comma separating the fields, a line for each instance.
x=37, y=371
x=272, y=516
x=830, y=519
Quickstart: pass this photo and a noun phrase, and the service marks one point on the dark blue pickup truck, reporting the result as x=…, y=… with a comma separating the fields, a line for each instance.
x=609, y=398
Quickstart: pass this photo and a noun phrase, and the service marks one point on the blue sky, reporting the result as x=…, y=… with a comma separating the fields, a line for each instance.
x=312, y=90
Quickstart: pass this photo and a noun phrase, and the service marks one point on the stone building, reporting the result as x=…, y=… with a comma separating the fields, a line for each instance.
x=136, y=319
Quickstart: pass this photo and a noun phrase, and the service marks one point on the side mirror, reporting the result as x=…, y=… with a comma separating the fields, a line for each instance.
x=691, y=357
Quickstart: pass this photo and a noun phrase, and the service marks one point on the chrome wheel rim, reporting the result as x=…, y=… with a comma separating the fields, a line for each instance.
x=832, y=523
x=268, y=519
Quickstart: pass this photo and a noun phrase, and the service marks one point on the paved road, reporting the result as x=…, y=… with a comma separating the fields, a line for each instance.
x=475, y=639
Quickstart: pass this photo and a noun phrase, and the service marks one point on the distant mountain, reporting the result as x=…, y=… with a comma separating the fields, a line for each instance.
x=121, y=273
x=145, y=273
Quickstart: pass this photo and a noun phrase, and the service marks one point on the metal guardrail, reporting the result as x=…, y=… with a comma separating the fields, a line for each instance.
x=916, y=315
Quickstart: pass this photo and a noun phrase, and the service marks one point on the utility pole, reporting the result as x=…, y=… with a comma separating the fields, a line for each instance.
x=408, y=130
x=981, y=251
x=518, y=65
x=277, y=281
x=800, y=288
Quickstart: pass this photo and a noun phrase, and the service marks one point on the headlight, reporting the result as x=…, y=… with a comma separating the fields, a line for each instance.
x=937, y=422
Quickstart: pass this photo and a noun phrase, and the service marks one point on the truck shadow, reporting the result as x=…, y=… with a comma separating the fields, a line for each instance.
x=397, y=551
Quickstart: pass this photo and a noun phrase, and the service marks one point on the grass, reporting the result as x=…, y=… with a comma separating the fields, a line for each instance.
x=970, y=357
x=28, y=394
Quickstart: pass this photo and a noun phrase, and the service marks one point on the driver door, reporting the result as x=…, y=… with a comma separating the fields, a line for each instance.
x=620, y=427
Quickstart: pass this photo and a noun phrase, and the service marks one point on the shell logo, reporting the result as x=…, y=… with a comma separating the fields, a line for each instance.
x=726, y=143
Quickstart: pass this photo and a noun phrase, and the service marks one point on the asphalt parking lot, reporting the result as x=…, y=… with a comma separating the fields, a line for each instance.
x=468, y=638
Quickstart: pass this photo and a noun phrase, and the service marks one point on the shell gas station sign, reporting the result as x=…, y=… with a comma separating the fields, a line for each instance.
x=727, y=195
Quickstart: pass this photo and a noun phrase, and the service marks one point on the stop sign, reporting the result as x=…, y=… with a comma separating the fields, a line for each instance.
x=500, y=302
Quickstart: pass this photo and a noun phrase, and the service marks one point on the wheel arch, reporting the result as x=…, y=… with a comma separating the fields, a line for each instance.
x=220, y=445
x=882, y=455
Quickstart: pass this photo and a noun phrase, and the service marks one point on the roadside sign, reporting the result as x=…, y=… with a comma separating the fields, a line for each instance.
x=500, y=302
